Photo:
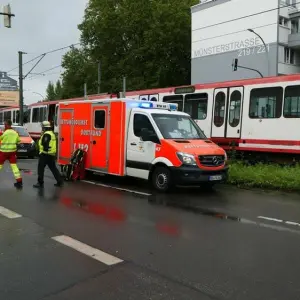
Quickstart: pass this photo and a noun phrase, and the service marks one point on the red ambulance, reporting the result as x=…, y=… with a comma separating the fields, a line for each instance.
x=142, y=139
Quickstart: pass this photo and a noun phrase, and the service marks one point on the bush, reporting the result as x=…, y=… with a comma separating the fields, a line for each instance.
x=265, y=176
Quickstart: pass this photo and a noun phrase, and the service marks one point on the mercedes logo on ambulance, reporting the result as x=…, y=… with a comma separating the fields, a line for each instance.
x=215, y=160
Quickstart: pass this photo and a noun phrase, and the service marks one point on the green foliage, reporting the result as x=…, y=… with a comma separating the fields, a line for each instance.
x=265, y=176
x=146, y=41
x=58, y=90
x=54, y=92
x=50, y=92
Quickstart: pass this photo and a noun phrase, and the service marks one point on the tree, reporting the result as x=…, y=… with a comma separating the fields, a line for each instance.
x=58, y=90
x=78, y=70
x=147, y=41
x=50, y=91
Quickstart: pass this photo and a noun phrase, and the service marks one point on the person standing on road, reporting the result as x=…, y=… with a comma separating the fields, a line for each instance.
x=47, y=149
x=9, y=140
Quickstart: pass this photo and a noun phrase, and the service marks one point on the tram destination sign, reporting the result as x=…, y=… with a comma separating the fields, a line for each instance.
x=184, y=90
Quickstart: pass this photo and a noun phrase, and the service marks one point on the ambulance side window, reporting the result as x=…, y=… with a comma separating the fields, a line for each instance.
x=141, y=122
x=99, y=119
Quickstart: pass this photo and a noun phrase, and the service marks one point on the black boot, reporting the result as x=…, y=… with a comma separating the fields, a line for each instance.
x=59, y=184
x=18, y=185
x=38, y=186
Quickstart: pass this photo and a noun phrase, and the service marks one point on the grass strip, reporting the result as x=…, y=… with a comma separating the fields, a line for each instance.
x=265, y=176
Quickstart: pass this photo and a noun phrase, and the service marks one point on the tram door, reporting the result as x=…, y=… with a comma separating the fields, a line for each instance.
x=227, y=112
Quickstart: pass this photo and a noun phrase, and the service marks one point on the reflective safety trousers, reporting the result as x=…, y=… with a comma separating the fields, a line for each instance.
x=9, y=140
x=47, y=143
x=12, y=158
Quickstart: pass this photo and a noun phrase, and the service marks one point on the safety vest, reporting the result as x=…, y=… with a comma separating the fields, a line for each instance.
x=9, y=140
x=52, y=144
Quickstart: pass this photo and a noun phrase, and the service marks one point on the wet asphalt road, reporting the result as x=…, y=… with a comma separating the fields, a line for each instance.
x=191, y=244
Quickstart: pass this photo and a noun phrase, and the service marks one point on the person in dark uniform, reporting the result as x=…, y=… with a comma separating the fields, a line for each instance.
x=47, y=149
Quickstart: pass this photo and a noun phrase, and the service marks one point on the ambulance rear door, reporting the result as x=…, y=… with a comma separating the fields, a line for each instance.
x=65, y=134
x=99, y=138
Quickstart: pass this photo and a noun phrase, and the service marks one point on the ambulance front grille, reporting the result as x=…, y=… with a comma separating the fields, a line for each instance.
x=24, y=146
x=211, y=160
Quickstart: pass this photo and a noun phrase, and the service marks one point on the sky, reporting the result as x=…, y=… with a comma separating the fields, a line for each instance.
x=39, y=26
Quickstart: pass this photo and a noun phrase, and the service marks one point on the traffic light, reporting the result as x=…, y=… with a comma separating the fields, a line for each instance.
x=7, y=16
x=235, y=64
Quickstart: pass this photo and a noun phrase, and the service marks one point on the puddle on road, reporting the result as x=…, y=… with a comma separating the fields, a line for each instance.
x=184, y=205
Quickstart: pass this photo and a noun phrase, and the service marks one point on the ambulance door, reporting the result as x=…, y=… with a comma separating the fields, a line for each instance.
x=234, y=114
x=66, y=134
x=99, y=143
x=219, y=113
x=140, y=154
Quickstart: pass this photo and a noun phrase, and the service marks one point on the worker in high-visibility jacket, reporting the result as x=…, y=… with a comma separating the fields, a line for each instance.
x=47, y=149
x=9, y=140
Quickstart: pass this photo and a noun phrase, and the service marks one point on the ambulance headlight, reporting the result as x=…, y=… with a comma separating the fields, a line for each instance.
x=225, y=155
x=186, y=158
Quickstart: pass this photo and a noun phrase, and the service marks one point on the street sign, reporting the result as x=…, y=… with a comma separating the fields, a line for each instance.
x=7, y=83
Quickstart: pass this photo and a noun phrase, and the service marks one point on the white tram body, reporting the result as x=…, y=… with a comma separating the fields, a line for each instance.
x=258, y=115
x=255, y=114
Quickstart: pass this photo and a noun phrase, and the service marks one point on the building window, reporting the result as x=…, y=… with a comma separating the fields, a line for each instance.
x=283, y=21
x=295, y=26
x=266, y=103
x=219, y=109
x=289, y=56
x=196, y=106
x=235, y=108
x=99, y=119
x=291, y=107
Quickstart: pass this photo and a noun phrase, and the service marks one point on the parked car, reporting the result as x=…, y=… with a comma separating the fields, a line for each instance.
x=27, y=147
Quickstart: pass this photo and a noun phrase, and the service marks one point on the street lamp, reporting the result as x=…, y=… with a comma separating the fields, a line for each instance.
x=35, y=93
x=267, y=52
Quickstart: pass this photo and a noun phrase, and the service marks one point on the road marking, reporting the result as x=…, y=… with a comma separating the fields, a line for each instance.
x=270, y=219
x=279, y=221
x=117, y=188
x=88, y=250
x=9, y=213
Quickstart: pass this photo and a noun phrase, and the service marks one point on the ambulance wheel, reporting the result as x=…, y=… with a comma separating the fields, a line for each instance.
x=161, y=179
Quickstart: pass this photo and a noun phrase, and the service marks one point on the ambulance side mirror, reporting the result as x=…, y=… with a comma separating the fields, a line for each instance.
x=149, y=136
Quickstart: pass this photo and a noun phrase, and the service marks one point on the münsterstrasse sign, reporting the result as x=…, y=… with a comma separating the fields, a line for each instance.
x=233, y=46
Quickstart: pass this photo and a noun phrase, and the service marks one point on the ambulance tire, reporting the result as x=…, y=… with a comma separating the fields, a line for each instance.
x=162, y=179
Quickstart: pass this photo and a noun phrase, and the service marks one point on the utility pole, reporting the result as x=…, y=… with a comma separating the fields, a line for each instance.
x=99, y=76
x=85, y=91
x=21, y=102
x=124, y=86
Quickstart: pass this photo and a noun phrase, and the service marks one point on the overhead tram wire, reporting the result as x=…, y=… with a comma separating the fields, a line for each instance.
x=233, y=32
x=44, y=54
x=247, y=16
x=43, y=73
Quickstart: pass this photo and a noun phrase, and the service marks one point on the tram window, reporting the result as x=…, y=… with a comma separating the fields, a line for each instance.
x=235, y=108
x=196, y=106
x=219, y=109
x=7, y=115
x=1, y=117
x=266, y=103
x=35, y=115
x=39, y=114
x=177, y=99
x=291, y=107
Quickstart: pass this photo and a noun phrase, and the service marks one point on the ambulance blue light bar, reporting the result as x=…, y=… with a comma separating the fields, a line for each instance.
x=154, y=105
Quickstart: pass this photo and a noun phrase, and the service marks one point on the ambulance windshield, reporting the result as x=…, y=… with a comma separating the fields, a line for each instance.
x=178, y=127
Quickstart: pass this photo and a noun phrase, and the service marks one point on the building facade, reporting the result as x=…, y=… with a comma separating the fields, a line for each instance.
x=263, y=35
